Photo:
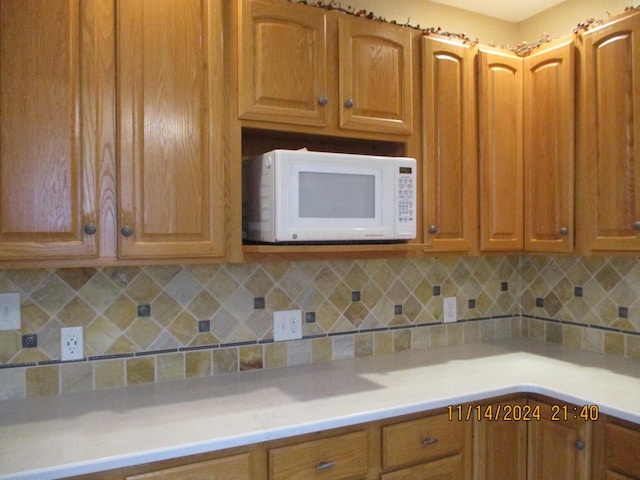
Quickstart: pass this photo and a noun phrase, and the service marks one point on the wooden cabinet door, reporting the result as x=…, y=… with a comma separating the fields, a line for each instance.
x=449, y=468
x=51, y=130
x=170, y=130
x=558, y=449
x=608, y=168
x=549, y=114
x=500, y=447
x=450, y=172
x=501, y=153
x=375, y=76
x=228, y=468
x=283, y=64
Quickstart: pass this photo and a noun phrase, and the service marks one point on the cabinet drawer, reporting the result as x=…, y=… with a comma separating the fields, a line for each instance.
x=421, y=440
x=334, y=458
x=449, y=468
x=622, y=449
x=228, y=468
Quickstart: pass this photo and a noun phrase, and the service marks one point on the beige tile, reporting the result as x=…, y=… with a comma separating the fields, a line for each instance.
x=140, y=370
x=321, y=350
x=76, y=278
x=343, y=347
x=614, y=343
x=10, y=344
x=401, y=340
x=420, y=338
x=633, y=346
x=100, y=336
x=198, y=363
x=251, y=357
x=76, y=377
x=43, y=381
x=12, y=383
x=144, y=331
x=143, y=289
x=363, y=345
x=122, y=312
x=109, y=373
x=225, y=360
x=275, y=355
x=455, y=334
x=572, y=336
x=32, y=317
x=170, y=366
x=184, y=328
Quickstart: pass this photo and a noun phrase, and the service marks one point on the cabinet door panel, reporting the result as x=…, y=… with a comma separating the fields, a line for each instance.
x=500, y=448
x=451, y=172
x=228, y=468
x=501, y=156
x=49, y=134
x=170, y=140
x=609, y=174
x=450, y=468
x=549, y=149
x=553, y=451
x=283, y=64
x=375, y=77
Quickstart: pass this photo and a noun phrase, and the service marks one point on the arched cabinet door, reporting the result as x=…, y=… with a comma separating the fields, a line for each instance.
x=549, y=139
x=501, y=153
x=608, y=161
x=450, y=168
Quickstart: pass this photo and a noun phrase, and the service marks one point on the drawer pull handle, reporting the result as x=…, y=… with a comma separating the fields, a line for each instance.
x=325, y=465
x=429, y=441
x=579, y=444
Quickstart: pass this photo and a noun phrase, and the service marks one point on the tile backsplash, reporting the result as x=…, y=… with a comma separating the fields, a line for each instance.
x=160, y=323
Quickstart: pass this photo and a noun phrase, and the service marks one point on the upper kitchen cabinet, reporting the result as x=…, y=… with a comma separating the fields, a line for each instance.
x=306, y=67
x=375, y=76
x=283, y=64
x=549, y=126
x=170, y=128
x=500, y=104
x=451, y=172
x=54, y=56
x=608, y=172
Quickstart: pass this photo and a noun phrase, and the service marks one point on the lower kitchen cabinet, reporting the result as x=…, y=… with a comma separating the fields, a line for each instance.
x=334, y=458
x=616, y=450
x=449, y=468
x=236, y=467
x=524, y=438
x=500, y=447
x=559, y=444
x=431, y=447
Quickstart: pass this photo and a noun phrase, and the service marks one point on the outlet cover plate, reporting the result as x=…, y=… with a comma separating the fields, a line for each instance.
x=9, y=311
x=287, y=325
x=71, y=344
x=449, y=308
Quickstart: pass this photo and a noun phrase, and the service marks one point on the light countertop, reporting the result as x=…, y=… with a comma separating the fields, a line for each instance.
x=57, y=436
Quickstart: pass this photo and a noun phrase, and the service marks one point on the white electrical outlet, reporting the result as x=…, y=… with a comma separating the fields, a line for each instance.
x=287, y=325
x=449, y=307
x=71, y=343
x=9, y=311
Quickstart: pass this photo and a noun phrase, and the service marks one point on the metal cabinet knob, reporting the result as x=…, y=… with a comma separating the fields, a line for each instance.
x=127, y=231
x=579, y=444
x=637, y=226
x=90, y=228
x=433, y=229
x=325, y=465
x=322, y=100
x=348, y=103
x=564, y=231
x=429, y=441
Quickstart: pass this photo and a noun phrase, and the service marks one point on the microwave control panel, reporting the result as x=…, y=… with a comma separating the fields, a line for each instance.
x=406, y=201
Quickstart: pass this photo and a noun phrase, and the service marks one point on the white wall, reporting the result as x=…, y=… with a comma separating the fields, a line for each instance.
x=558, y=21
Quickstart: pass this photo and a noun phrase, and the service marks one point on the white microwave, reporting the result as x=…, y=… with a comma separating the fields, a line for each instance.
x=299, y=196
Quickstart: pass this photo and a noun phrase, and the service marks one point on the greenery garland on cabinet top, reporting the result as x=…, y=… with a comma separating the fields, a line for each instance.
x=522, y=48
